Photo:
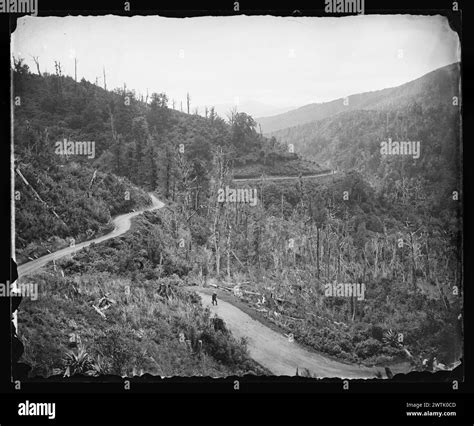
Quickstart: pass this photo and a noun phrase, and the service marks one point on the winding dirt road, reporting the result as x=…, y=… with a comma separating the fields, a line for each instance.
x=275, y=352
x=269, y=348
x=272, y=178
x=122, y=224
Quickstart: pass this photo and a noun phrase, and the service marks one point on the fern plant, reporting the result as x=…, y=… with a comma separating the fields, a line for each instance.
x=82, y=363
x=390, y=338
x=77, y=363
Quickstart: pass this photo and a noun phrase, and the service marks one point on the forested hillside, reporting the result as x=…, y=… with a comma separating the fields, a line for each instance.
x=435, y=87
x=428, y=114
x=304, y=235
x=395, y=210
x=153, y=324
x=139, y=145
x=391, y=224
x=64, y=197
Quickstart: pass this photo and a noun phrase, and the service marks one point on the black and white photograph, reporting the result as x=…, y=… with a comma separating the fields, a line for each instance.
x=222, y=196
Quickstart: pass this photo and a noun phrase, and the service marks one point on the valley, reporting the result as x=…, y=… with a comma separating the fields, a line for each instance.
x=126, y=245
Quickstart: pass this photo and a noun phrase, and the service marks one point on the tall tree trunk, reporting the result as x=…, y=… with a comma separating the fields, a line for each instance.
x=105, y=79
x=35, y=58
x=413, y=261
x=376, y=259
x=228, y=251
x=317, y=252
x=338, y=262
x=168, y=175
x=427, y=247
x=327, y=263
x=217, y=249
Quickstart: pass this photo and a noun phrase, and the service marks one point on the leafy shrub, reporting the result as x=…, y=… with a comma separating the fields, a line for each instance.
x=118, y=347
x=368, y=348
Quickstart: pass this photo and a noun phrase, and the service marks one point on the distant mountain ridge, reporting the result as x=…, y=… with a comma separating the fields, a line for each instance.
x=429, y=86
x=423, y=110
x=251, y=107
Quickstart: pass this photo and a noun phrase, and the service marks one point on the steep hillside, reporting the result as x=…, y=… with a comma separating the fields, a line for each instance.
x=140, y=139
x=61, y=204
x=153, y=324
x=130, y=146
x=391, y=225
x=353, y=140
x=437, y=86
x=64, y=193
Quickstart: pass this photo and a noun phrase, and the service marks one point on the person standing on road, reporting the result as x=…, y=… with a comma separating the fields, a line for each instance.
x=214, y=298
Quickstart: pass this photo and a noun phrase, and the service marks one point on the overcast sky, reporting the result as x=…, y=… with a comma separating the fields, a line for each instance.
x=277, y=61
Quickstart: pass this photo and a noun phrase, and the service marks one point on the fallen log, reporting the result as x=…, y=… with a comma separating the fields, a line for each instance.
x=238, y=260
x=251, y=292
x=293, y=318
x=37, y=195
x=327, y=319
x=99, y=312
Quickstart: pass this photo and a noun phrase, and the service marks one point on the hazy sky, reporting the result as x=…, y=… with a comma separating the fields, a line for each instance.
x=273, y=60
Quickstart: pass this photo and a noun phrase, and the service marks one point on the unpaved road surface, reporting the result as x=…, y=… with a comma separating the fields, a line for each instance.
x=269, y=348
x=272, y=178
x=275, y=352
x=122, y=224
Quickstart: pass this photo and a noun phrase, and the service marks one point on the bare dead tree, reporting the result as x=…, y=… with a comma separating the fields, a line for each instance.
x=317, y=252
x=212, y=114
x=75, y=69
x=222, y=169
x=185, y=169
x=59, y=74
x=36, y=59
x=413, y=251
x=105, y=79
x=232, y=114
x=188, y=101
x=15, y=61
x=59, y=71
x=228, y=249
x=17, y=170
